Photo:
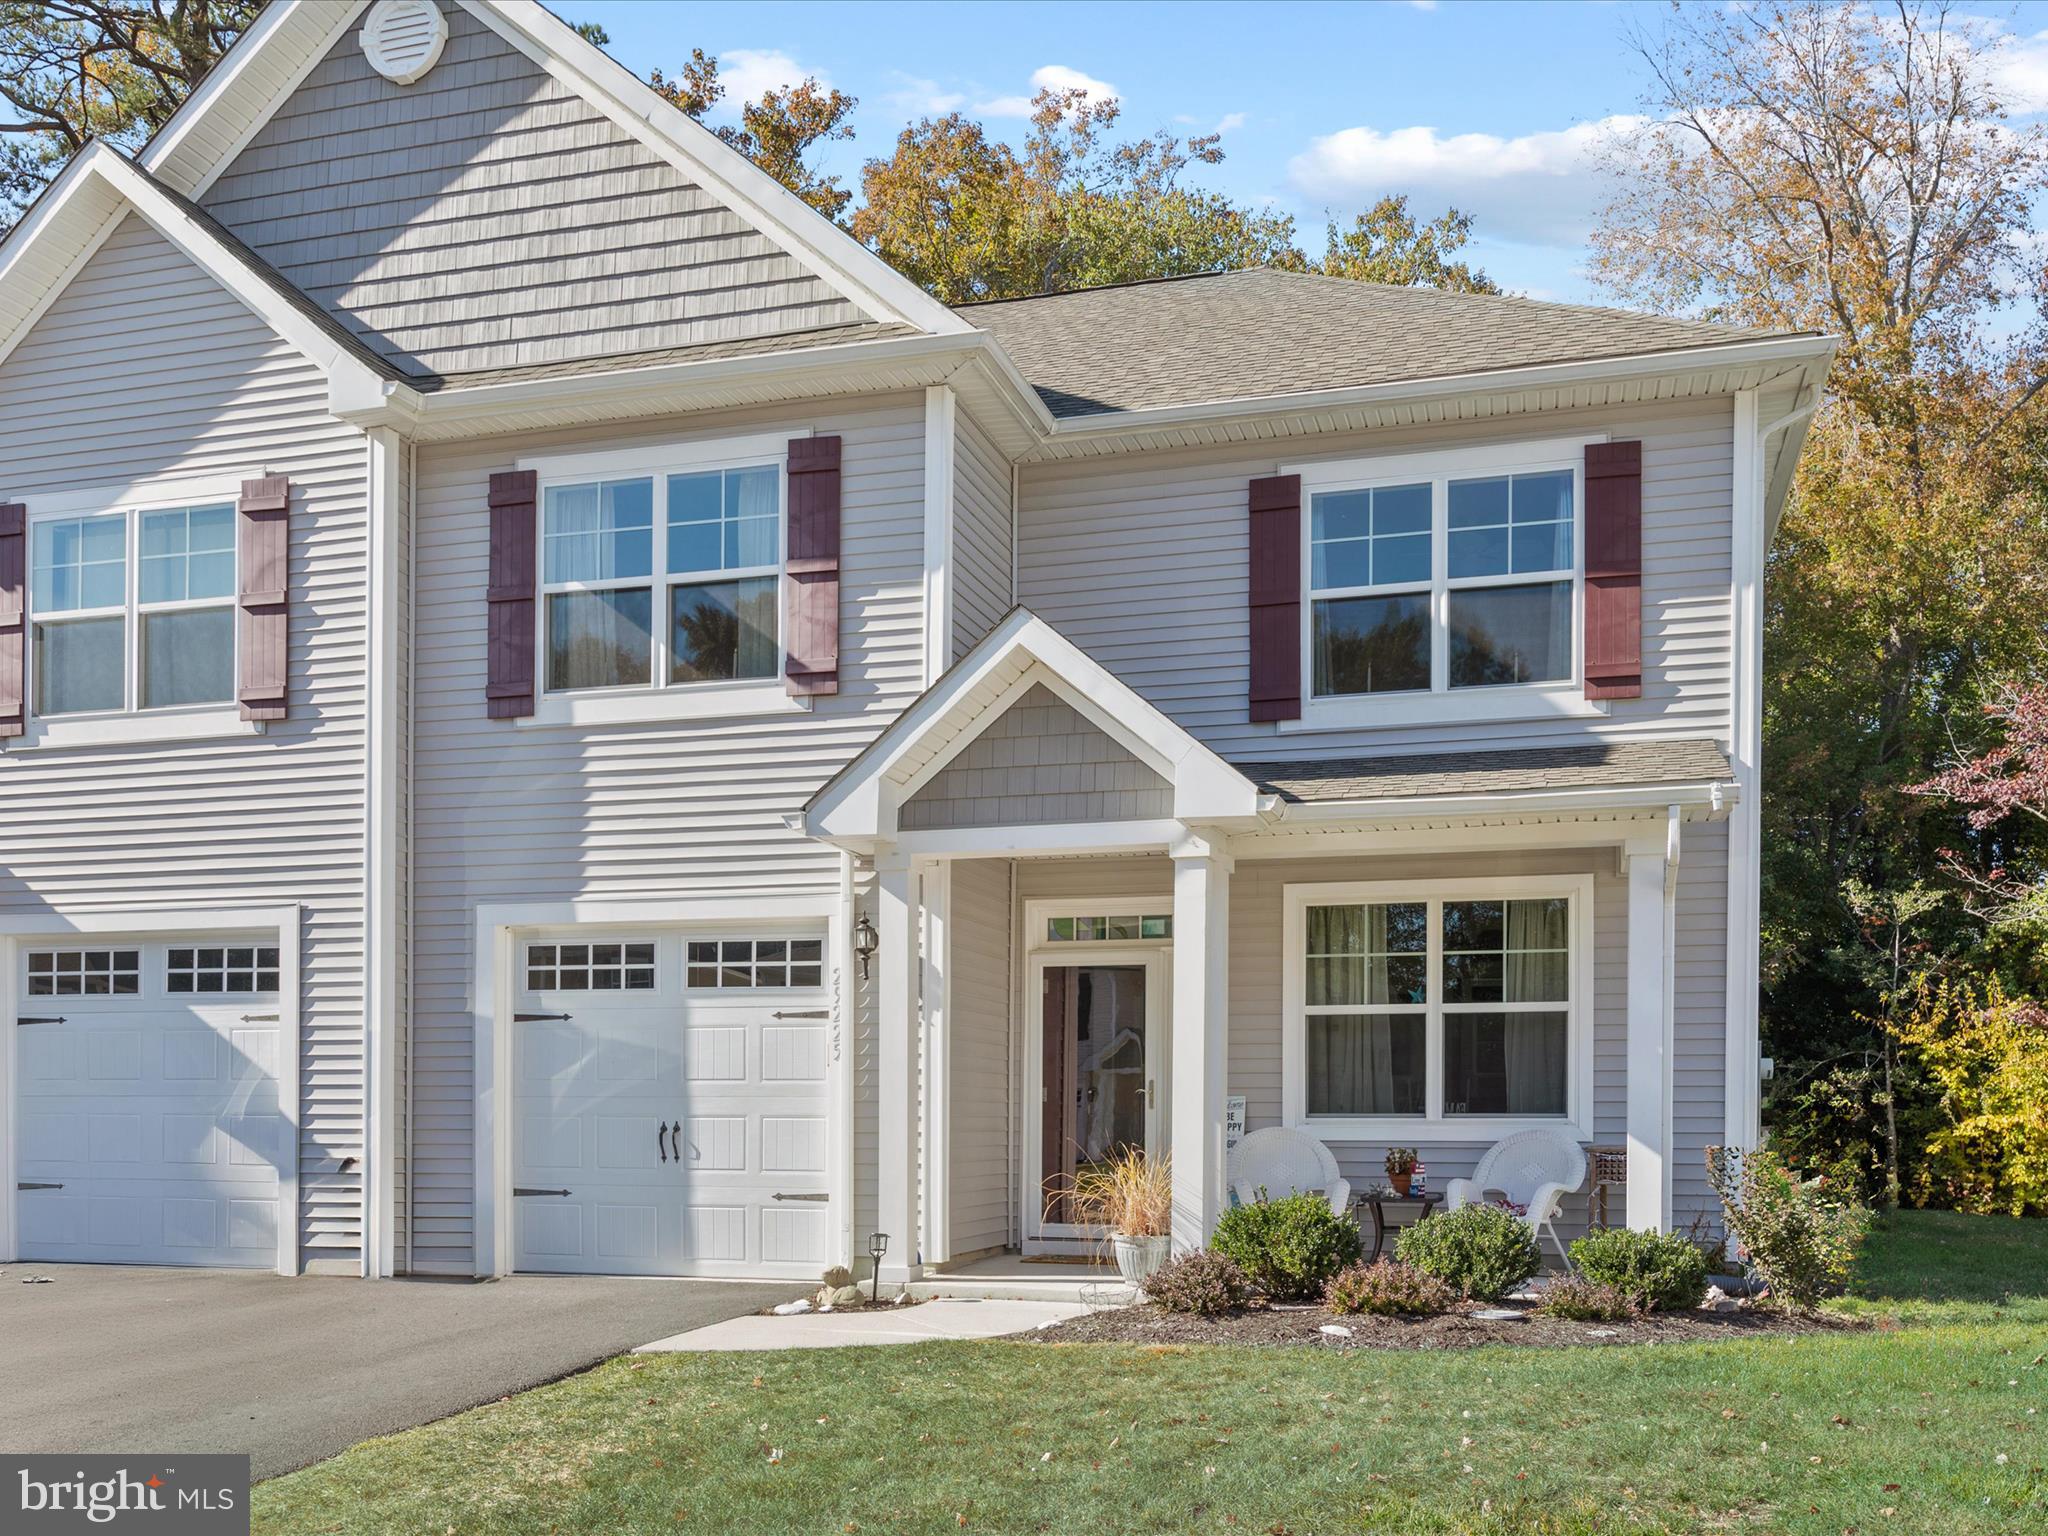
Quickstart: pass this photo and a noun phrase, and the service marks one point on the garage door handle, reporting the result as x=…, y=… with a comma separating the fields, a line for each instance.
x=805, y=1013
x=540, y=1191
x=39, y=1186
x=817, y=1198
x=661, y=1138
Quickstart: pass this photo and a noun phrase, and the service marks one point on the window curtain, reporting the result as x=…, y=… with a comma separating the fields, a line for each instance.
x=1533, y=1043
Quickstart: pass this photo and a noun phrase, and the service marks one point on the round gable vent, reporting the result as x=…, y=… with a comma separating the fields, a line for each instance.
x=403, y=38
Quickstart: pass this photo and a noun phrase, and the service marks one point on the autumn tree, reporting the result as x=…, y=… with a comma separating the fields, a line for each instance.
x=1847, y=169
x=968, y=217
x=76, y=70
x=1388, y=244
x=778, y=132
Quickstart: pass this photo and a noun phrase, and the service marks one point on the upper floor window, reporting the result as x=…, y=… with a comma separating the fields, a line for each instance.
x=133, y=609
x=662, y=580
x=1441, y=574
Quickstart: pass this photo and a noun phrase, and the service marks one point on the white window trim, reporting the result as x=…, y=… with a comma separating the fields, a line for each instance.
x=1564, y=698
x=1434, y=1127
x=131, y=724
x=659, y=700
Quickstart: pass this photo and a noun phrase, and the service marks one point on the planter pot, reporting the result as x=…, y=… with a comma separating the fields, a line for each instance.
x=1137, y=1258
x=1399, y=1182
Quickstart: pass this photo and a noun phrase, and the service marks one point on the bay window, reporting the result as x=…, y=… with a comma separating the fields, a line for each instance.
x=1443, y=574
x=132, y=609
x=662, y=580
x=1456, y=1007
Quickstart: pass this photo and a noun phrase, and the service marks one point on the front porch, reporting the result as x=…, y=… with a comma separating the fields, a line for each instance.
x=1091, y=933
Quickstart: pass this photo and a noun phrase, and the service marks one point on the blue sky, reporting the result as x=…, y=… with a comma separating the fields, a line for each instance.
x=1490, y=106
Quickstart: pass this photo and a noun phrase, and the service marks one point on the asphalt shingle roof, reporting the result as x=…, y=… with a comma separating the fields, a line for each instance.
x=1478, y=773
x=1242, y=335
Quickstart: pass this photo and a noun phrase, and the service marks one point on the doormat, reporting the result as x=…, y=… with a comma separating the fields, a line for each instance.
x=1063, y=1258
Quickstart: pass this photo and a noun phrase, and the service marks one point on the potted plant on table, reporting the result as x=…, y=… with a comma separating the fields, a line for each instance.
x=1130, y=1197
x=1400, y=1168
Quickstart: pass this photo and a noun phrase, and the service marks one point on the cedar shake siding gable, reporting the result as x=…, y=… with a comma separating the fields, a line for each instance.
x=145, y=370
x=1040, y=761
x=487, y=216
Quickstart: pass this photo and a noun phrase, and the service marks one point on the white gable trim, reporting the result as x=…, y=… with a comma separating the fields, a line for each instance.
x=859, y=806
x=777, y=212
x=82, y=193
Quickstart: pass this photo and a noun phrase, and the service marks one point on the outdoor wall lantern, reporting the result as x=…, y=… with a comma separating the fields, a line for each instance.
x=865, y=942
x=878, y=1244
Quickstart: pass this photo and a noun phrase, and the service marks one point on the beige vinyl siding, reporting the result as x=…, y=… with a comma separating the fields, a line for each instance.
x=144, y=369
x=978, y=1053
x=507, y=812
x=1042, y=761
x=486, y=216
x=982, y=544
x=1141, y=561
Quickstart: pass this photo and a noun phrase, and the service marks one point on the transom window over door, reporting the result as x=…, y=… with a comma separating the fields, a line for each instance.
x=133, y=609
x=667, y=579
x=1411, y=1008
x=1442, y=573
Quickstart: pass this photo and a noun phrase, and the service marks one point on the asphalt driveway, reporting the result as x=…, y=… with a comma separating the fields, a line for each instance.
x=292, y=1371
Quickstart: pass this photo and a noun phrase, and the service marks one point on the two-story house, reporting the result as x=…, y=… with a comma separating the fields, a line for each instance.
x=557, y=714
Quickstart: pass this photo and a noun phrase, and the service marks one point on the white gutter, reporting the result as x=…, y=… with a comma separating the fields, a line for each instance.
x=1712, y=796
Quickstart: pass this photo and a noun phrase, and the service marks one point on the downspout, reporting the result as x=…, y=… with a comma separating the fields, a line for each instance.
x=412, y=970
x=848, y=1022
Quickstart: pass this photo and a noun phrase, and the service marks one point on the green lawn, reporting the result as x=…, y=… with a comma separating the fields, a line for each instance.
x=1923, y=1429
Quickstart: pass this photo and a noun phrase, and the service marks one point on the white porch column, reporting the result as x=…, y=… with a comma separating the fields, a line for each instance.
x=896, y=1067
x=1200, y=1039
x=1649, y=1036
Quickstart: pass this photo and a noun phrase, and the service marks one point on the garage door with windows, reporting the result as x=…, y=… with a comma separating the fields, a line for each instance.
x=147, y=1118
x=671, y=1113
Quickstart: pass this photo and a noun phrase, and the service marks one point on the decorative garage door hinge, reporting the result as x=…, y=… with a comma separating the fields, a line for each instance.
x=538, y=1018
x=39, y=1186
x=818, y=1198
x=540, y=1191
x=40, y=1018
x=806, y=1013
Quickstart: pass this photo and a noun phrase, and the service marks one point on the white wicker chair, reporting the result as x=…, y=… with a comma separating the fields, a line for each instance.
x=1533, y=1169
x=1283, y=1161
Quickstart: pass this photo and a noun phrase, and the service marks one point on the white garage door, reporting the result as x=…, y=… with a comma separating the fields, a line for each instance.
x=146, y=1107
x=675, y=1122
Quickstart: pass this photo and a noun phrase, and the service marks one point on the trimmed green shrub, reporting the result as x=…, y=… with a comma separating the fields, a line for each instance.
x=1579, y=1300
x=1652, y=1269
x=1202, y=1282
x=1288, y=1247
x=1481, y=1249
x=1387, y=1289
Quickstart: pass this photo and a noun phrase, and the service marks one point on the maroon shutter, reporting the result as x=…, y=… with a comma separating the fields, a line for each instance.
x=1614, y=570
x=13, y=603
x=514, y=571
x=1276, y=598
x=812, y=613
x=263, y=544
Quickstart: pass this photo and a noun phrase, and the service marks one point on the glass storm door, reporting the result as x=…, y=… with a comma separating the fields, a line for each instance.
x=1099, y=1074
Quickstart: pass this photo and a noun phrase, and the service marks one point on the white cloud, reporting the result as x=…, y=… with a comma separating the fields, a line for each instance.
x=917, y=97
x=1538, y=188
x=1230, y=122
x=748, y=74
x=1049, y=77
x=2018, y=67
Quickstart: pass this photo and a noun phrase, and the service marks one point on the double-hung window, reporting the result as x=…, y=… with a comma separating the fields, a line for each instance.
x=660, y=580
x=133, y=609
x=1458, y=1008
x=1443, y=574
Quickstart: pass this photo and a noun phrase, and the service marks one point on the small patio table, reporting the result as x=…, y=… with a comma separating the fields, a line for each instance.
x=1377, y=1205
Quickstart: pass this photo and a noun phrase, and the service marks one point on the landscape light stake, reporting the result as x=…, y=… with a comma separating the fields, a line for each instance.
x=878, y=1244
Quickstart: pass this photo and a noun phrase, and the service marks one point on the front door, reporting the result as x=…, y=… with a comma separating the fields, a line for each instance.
x=1099, y=1074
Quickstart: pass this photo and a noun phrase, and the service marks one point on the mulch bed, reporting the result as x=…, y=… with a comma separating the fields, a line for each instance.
x=1283, y=1326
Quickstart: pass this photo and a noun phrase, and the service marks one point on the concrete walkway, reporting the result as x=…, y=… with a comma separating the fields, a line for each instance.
x=944, y=1318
